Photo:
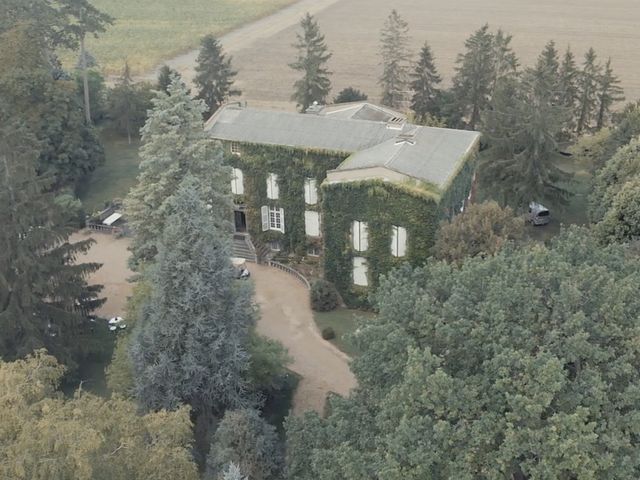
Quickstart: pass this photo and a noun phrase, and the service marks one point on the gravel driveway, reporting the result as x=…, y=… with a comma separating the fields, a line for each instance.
x=285, y=315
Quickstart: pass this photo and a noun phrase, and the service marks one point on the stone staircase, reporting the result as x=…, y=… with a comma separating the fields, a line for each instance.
x=243, y=248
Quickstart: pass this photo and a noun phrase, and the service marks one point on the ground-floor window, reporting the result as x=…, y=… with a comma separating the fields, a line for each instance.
x=312, y=223
x=314, y=251
x=360, y=271
x=272, y=218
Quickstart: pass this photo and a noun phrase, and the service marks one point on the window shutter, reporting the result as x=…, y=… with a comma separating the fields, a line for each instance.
x=272, y=186
x=282, y=219
x=264, y=210
x=310, y=191
x=355, y=235
x=360, y=272
x=364, y=236
x=312, y=223
x=402, y=241
x=239, y=181
x=394, y=241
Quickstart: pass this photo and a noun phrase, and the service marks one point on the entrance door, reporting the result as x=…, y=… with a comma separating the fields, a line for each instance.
x=240, y=221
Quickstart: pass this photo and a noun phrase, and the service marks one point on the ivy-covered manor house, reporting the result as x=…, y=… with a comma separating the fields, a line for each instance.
x=355, y=185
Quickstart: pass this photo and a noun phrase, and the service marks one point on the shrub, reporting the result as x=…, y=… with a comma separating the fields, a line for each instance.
x=328, y=333
x=323, y=296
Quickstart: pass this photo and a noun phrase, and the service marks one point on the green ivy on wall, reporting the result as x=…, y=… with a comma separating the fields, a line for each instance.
x=417, y=207
x=293, y=166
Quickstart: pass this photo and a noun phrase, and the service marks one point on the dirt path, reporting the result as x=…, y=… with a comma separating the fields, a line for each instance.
x=248, y=35
x=285, y=315
x=113, y=254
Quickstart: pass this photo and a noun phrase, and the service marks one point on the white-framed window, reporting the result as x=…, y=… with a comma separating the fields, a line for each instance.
x=360, y=236
x=272, y=187
x=310, y=191
x=272, y=218
x=360, y=271
x=398, y=241
x=235, y=148
x=237, y=181
x=312, y=223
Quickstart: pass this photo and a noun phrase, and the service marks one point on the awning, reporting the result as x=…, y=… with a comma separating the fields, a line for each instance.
x=111, y=219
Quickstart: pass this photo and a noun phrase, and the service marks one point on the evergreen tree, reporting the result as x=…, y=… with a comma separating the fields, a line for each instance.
x=312, y=58
x=214, y=75
x=505, y=62
x=394, y=51
x=83, y=19
x=521, y=129
x=547, y=70
x=587, y=89
x=192, y=337
x=478, y=71
x=165, y=77
x=173, y=145
x=482, y=372
x=609, y=92
x=44, y=296
x=568, y=82
x=128, y=104
x=350, y=94
x=245, y=439
x=424, y=84
x=233, y=472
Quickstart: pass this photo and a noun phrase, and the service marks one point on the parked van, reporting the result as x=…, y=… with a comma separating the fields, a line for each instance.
x=538, y=214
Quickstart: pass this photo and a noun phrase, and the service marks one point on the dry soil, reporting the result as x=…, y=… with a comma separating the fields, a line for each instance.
x=263, y=49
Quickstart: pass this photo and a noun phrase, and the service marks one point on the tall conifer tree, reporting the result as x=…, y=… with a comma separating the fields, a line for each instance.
x=173, y=145
x=609, y=92
x=214, y=75
x=394, y=51
x=587, y=89
x=44, y=296
x=425, y=81
x=312, y=57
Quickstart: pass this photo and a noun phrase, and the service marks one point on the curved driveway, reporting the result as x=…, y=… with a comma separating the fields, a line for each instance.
x=285, y=315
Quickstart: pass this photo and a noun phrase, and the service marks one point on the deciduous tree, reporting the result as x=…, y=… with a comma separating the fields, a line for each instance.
x=395, y=56
x=481, y=372
x=214, y=75
x=350, y=94
x=483, y=229
x=45, y=436
x=312, y=57
x=128, y=104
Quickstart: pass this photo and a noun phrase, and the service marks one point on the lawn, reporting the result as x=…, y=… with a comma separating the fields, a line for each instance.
x=146, y=32
x=115, y=177
x=343, y=321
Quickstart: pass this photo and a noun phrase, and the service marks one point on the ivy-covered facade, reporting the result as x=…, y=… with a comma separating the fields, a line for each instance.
x=355, y=186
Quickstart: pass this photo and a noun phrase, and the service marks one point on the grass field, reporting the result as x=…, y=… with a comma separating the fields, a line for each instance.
x=343, y=321
x=148, y=31
x=115, y=177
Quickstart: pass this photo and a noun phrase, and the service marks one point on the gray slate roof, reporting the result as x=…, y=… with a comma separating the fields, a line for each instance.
x=368, y=132
x=432, y=154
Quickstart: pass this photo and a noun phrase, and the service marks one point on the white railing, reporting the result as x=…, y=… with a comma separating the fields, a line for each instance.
x=291, y=271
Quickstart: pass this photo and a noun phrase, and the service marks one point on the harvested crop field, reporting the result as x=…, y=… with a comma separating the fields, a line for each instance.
x=352, y=32
x=147, y=31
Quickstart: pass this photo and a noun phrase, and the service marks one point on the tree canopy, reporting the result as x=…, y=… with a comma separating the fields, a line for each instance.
x=214, y=75
x=44, y=436
x=312, y=57
x=518, y=366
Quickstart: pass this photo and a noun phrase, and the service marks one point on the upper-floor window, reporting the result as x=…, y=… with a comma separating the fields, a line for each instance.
x=310, y=191
x=272, y=186
x=360, y=236
x=235, y=148
x=237, y=181
x=398, y=241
